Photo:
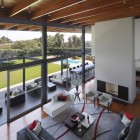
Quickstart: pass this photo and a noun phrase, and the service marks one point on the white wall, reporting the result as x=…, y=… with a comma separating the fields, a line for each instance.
x=114, y=53
x=137, y=39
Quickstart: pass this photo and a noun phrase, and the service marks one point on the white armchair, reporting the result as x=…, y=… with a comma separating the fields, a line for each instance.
x=92, y=96
x=105, y=100
x=55, y=107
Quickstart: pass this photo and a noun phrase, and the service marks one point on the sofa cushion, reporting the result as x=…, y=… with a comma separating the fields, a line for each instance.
x=30, y=134
x=53, y=108
x=37, y=129
x=34, y=85
x=123, y=133
x=16, y=92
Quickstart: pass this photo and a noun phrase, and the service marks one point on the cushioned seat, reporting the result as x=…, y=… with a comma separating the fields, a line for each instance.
x=55, y=107
x=105, y=100
x=26, y=134
x=92, y=96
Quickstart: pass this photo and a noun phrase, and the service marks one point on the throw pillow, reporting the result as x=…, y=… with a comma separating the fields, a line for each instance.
x=62, y=97
x=16, y=92
x=34, y=85
x=37, y=129
x=123, y=133
x=129, y=116
x=126, y=121
x=32, y=125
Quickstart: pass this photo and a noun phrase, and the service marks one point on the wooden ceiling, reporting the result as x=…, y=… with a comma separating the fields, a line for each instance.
x=68, y=12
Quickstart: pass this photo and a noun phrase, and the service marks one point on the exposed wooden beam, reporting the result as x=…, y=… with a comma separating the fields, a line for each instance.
x=34, y=28
x=85, y=6
x=9, y=26
x=21, y=6
x=55, y=6
x=22, y=27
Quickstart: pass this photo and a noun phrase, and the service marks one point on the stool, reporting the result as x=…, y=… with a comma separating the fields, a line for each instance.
x=77, y=93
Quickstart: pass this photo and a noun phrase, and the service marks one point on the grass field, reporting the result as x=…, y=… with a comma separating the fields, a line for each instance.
x=31, y=73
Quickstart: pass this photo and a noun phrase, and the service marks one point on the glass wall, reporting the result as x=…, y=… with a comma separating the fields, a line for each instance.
x=3, y=90
x=16, y=48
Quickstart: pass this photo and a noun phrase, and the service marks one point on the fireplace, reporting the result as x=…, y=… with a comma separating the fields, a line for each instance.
x=112, y=88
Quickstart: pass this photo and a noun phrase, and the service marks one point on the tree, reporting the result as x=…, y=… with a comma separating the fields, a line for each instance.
x=74, y=41
x=59, y=40
x=5, y=40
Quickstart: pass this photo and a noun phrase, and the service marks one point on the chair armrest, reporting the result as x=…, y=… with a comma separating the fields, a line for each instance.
x=71, y=97
x=100, y=97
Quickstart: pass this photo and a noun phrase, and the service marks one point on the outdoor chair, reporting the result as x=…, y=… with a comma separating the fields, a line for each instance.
x=70, y=69
x=74, y=67
x=78, y=66
x=105, y=100
x=92, y=96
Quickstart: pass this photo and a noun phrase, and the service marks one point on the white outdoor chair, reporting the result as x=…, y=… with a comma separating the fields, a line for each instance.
x=105, y=100
x=92, y=96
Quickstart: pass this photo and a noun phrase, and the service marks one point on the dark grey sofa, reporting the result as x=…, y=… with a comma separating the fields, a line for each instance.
x=33, y=91
x=134, y=129
x=16, y=100
x=44, y=135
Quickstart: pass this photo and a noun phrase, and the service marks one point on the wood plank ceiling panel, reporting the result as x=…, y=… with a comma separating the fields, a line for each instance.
x=9, y=26
x=55, y=6
x=80, y=8
x=69, y=12
x=21, y=6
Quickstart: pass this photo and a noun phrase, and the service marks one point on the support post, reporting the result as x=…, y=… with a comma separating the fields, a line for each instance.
x=61, y=67
x=23, y=75
x=44, y=66
x=83, y=54
x=8, y=96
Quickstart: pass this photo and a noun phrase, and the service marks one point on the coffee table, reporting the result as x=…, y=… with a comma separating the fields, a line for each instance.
x=85, y=124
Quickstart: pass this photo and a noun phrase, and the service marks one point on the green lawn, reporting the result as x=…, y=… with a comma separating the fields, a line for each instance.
x=31, y=73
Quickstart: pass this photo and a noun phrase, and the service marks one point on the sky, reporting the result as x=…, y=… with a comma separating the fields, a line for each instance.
x=27, y=35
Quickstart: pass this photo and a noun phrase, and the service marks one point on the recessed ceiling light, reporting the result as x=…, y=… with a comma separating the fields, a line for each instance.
x=2, y=3
x=30, y=10
x=124, y=2
x=131, y=7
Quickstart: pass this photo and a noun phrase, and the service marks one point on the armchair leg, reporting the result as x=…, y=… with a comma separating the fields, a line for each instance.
x=108, y=107
x=94, y=102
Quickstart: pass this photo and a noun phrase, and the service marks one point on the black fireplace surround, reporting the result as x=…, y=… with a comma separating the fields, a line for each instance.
x=122, y=91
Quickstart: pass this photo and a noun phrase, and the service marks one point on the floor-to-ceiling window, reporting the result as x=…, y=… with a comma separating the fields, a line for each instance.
x=20, y=66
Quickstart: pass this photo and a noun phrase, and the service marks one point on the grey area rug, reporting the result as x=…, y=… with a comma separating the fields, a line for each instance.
x=56, y=126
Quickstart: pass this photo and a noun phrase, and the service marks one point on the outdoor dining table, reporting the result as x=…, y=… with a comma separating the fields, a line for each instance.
x=78, y=70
